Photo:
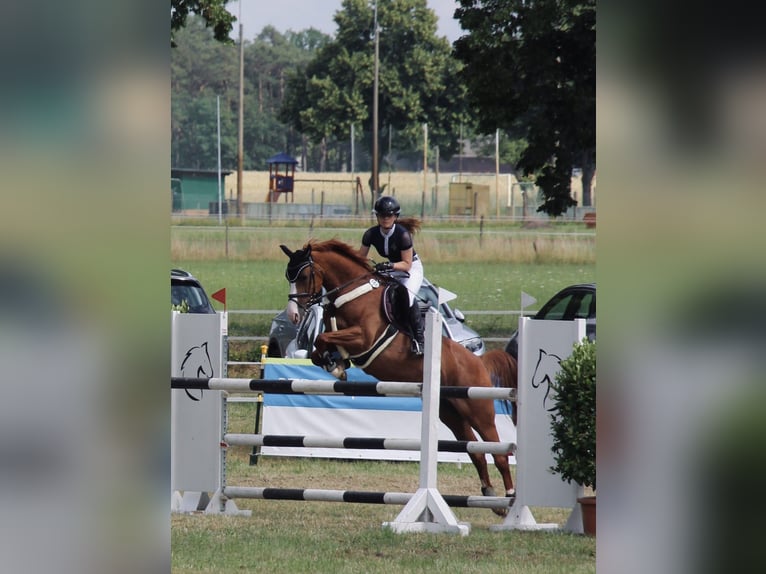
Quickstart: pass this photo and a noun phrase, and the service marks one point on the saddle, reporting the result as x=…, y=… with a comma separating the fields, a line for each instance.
x=396, y=306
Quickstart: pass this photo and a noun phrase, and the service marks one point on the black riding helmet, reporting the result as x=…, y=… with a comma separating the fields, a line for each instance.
x=386, y=205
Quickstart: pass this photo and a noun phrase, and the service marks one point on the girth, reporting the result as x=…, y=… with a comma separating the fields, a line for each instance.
x=364, y=359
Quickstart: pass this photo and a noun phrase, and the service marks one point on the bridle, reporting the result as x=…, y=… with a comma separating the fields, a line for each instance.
x=293, y=273
x=315, y=296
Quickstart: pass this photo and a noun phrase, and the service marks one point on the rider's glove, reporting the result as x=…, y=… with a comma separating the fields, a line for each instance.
x=384, y=267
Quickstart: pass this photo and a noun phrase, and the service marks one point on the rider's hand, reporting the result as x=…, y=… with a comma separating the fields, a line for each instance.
x=384, y=267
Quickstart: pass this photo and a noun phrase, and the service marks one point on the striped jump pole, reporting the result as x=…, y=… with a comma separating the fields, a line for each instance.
x=361, y=497
x=299, y=386
x=370, y=443
x=307, y=386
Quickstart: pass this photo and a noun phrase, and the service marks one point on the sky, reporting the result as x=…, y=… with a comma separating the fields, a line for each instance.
x=301, y=14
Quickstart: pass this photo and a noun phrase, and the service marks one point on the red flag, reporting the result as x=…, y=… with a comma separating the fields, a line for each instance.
x=220, y=295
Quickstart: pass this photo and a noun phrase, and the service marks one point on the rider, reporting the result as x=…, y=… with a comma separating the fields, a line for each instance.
x=392, y=238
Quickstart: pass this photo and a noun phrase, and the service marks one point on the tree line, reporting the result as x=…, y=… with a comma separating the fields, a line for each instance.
x=526, y=69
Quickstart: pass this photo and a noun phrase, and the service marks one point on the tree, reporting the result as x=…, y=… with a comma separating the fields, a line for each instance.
x=510, y=148
x=532, y=65
x=213, y=12
x=417, y=79
x=203, y=69
x=268, y=62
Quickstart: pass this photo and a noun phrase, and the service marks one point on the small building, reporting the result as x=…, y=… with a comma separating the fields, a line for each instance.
x=197, y=189
x=281, y=176
x=468, y=199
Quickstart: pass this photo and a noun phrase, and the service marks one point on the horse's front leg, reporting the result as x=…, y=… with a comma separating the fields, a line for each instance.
x=331, y=350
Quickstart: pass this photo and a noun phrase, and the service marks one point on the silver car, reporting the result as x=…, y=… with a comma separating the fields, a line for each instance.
x=301, y=343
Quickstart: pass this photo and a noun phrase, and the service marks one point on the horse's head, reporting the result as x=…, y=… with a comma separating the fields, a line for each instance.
x=330, y=264
x=305, y=282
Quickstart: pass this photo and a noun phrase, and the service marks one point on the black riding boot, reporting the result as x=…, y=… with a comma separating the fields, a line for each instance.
x=416, y=326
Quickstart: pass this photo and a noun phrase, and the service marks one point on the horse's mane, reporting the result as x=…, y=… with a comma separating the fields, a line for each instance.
x=339, y=247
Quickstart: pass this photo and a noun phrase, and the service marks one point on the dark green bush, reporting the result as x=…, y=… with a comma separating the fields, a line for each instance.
x=573, y=416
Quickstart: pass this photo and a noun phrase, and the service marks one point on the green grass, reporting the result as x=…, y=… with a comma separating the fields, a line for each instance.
x=437, y=241
x=297, y=537
x=287, y=536
x=487, y=270
x=480, y=286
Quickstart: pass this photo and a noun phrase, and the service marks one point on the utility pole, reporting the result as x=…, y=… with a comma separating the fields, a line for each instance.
x=218, y=124
x=497, y=172
x=240, y=127
x=375, y=174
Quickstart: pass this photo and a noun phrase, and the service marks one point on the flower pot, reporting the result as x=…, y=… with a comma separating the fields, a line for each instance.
x=588, y=509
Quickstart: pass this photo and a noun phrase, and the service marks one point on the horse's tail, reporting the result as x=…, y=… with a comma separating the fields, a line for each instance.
x=503, y=372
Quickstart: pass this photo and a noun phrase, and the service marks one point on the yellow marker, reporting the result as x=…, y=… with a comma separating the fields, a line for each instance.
x=264, y=351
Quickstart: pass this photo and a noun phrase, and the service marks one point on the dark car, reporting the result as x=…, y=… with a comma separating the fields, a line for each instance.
x=573, y=302
x=187, y=293
x=285, y=339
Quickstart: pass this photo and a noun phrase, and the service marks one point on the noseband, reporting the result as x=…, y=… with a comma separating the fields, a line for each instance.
x=293, y=272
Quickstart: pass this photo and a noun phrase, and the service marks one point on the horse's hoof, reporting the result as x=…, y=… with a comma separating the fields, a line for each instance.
x=339, y=373
x=489, y=491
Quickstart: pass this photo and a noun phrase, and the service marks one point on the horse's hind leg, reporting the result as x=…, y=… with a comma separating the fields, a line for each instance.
x=463, y=431
x=480, y=414
x=488, y=433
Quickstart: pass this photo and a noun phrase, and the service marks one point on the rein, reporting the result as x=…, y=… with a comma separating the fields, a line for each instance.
x=316, y=297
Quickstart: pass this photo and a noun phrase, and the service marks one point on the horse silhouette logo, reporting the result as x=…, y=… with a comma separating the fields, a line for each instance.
x=197, y=365
x=547, y=365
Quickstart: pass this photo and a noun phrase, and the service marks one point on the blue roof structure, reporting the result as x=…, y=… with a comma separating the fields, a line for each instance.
x=282, y=158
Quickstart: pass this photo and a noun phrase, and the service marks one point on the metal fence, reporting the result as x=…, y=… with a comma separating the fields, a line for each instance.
x=272, y=312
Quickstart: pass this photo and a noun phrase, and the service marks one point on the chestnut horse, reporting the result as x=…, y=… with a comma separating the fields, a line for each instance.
x=356, y=329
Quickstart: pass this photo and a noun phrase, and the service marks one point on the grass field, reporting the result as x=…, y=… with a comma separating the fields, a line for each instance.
x=487, y=273
x=313, y=537
x=260, y=285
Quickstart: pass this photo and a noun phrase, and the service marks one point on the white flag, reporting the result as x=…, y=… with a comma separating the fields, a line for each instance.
x=445, y=295
x=527, y=300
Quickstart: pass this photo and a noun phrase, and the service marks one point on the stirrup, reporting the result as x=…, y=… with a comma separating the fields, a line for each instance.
x=417, y=348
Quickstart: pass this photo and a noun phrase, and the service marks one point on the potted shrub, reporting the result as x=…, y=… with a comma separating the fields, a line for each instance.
x=573, y=424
